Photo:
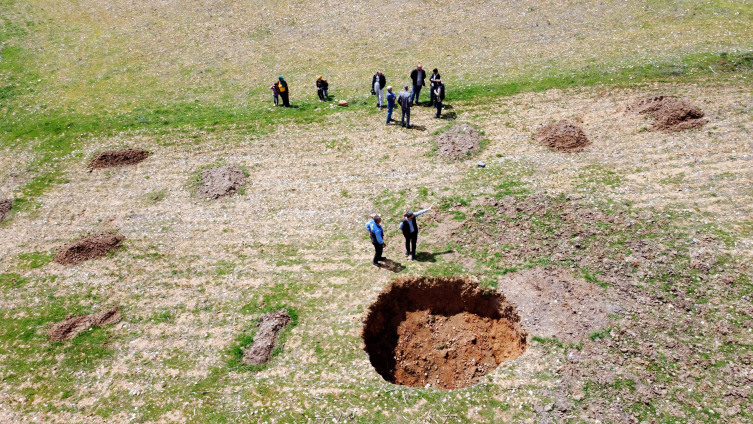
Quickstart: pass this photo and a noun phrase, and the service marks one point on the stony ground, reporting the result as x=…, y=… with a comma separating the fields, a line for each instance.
x=194, y=274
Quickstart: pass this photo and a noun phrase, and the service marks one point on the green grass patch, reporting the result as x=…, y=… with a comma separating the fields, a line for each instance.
x=34, y=260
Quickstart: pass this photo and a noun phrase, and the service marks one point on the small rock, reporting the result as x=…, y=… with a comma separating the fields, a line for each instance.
x=342, y=103
x=549, y=407
x=481, y=165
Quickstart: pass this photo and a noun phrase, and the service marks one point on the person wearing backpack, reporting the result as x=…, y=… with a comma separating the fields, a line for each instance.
x=282, y=86
x=438, y=96
x=320, y=84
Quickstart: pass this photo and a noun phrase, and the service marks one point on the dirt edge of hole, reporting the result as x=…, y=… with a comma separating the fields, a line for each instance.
x=446, y=332
x=90, y=247
x=120, y=157
x=70, y=327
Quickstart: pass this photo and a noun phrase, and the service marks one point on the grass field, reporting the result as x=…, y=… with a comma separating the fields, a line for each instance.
x=189, y=80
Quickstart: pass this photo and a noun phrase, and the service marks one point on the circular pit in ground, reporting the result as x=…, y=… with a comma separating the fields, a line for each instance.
x=440, y=332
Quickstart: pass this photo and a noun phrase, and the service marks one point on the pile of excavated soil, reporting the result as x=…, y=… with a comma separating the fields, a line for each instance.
x=670, y=113
x=111, y=158
x=5, y=206
x=265, y=339
x=440, y=332
x=459, y=142
x=553, y=304
x=71, y=326
x=221, y=181
x=88, y=248
x=563, y=136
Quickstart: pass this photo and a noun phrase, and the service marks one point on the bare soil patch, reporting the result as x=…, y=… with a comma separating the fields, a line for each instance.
x=671, y=114
x=563, y=136
x=553, y=304
x=5, y=206
x=265, y=340
x=459, y=142
x=88, y=248
x=221, y=181
x=112, y=158
x=71, y=326
x=440, y=332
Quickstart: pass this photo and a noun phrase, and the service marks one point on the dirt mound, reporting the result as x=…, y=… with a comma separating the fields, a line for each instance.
x=563, y=136
x=111, y=158
x=670, y=113
x=88, y=248
x=5, y=206
x=553, y=304
x=71, y=326
x=441, y=332
x=459, y=142
x=265, y=339
x=221, y=181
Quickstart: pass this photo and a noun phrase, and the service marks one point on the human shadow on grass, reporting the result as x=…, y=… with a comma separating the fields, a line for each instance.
x=431, y=257
x=393, y=266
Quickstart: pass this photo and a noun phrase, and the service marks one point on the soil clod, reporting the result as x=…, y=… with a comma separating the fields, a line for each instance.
x=221, y=181
x=112, y=158
x=671, y=114
x=5, y=206
x=440, y=332
x=88, y=248
x=71, y=326
x=459, y=142
x=265, y=339
x=563, y=136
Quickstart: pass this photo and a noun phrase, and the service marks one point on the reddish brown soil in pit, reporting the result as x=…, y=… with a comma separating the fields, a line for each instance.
x=71, y=326
x=563, y=136
x=5, y=206
x=265, y=339
x=554, y=304
x=221, y=181
x=671, y=114
x=111, y=158
x=459, y=142
x=88, y=248
x=440, y=332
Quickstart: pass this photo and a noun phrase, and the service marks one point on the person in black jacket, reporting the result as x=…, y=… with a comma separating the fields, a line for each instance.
x=418, y=76
x=284, y=91
x=433, y=78
x=409, y=226
x=438, y=93
x=321, y=88
x=378, y=84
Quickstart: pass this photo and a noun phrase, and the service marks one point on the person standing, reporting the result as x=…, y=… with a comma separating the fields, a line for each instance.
x=418, y=76
x=438, y=93
x=406, y=102
x=378, y=82
x=320, y=88
x=391, y=97
x=275, y=94
x=376, y=233
x=325, y=89
x=433, y=78
x=282, y=86
x=409, y=226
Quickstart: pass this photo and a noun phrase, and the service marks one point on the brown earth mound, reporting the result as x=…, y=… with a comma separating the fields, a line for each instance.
x=265, y=339
x=554, y=304
x=459, y=142
x=5, y=206
x=221, y=181
x=120, y=157
x=440, y=332
x=88, y=248
x=71, y=326
x=563, y=136
x=670, y=113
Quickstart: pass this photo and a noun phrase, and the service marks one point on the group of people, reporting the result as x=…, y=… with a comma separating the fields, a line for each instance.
x=409, y=227
x=408, y=98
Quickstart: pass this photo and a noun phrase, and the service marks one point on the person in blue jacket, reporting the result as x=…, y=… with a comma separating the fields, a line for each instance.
x=376, y=232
